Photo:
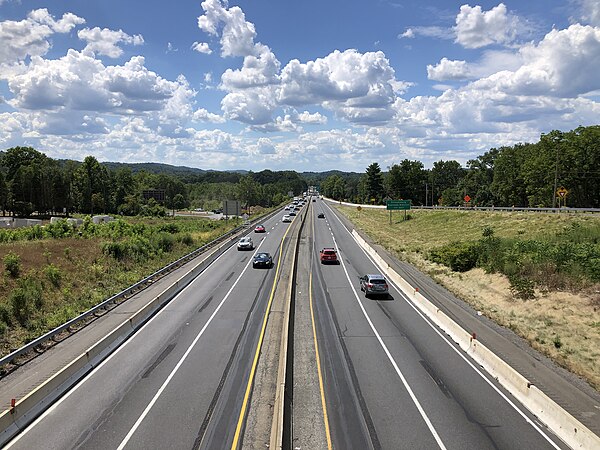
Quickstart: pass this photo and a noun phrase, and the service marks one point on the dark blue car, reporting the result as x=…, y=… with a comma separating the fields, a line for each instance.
x=262, y=260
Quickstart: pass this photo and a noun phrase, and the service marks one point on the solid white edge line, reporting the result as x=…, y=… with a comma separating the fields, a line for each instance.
x=453, y=347
x=182, y=360
x=67, y=394
x=390, y=357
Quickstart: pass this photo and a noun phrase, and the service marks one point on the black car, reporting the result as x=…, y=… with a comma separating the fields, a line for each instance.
x=292, y=213
x=320, y=216
x=262, y=260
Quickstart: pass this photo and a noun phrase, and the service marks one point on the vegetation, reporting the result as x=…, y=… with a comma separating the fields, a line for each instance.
x=520, y=175
x=56, y=272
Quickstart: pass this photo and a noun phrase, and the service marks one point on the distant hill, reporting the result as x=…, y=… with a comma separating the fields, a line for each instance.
x=156, y=168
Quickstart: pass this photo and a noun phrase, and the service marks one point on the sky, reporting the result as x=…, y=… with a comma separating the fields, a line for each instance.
x=286, y=85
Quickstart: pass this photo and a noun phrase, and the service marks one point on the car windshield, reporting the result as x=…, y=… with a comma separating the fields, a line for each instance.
x=262, y=255
x=377, y=281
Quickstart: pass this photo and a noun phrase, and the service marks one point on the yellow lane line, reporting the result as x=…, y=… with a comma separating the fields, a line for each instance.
x=238, y=429
x=323, y=403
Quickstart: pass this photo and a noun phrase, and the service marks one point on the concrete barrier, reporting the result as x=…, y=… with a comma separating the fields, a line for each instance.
x=563, y=424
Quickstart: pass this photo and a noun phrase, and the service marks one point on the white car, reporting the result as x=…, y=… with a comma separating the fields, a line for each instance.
x=245, y=243
x=286, y=218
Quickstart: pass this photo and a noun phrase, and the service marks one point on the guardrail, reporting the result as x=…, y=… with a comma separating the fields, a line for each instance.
x=479, y=208
x=116, y=299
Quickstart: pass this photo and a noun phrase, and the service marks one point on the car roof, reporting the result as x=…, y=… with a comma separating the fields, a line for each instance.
x=328, y=248
x=262, y=254
x=246, y=238
x=375, y=276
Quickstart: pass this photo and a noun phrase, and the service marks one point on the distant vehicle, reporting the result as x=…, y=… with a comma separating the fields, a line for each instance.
x=328, y=255
x=320, y=216
x=314, y=199
x=217, y=211
x=292, y=213
x=262, y=260
x=287, y=208
x=373, y=284
x=260, y=229
x=245, y=243
x=286, y=218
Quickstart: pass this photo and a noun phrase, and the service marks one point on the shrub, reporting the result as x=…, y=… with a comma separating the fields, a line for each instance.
x=5, y=314
x=163, y=241
x=12, y=264
x=169, y=228
x=26, y=299
x=53, y=274
x=117, y=250
x=186, y=239
x=521, y=287
x=459, y=256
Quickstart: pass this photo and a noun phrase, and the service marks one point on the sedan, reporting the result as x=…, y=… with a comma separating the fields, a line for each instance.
x=292, y=213
x=245, y=243
x=260, y=229
x=262, y=260
x=286, y=218
x=320, y=216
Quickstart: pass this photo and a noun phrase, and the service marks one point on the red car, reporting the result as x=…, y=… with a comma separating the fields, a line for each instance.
x=260, y=229
x=328, y=255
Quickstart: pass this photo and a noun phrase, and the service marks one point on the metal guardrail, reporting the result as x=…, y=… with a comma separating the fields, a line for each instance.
x=479, y=208
x=130, y=290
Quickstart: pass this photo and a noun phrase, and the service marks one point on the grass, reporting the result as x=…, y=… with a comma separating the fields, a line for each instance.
x=561, y=321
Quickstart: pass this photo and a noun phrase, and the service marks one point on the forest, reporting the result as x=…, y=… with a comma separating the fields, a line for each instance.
x=525, y=174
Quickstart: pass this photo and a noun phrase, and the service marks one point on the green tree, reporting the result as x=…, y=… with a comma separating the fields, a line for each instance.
x=374, y=184
x=406, y=181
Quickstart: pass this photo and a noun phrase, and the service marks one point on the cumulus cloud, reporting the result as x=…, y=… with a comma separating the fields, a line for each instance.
x=29, y=37
x=590, y=12
x=201, y=47
x=476, y=28
x=315, y=118
x=105, y=42
x=448, y=70
x=202, y=115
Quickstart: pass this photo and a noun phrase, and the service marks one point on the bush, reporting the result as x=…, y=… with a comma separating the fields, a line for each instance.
x=169, y=228
x=186, y=239
x=53, y=274
x=163, y=241
x=5, y=314
x=26, y=299
x=521, y=287
x=12, y=264
x=459, y=256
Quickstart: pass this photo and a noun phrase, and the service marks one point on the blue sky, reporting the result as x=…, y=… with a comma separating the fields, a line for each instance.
x=308, y=86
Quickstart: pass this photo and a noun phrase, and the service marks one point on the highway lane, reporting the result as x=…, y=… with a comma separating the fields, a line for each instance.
x=392, y=380
x=179, y=381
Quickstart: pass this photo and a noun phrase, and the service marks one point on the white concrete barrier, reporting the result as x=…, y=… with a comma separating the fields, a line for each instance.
x=563, y=424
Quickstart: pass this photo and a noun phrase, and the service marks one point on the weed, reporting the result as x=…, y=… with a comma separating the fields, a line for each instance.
x=12, y=264
x=557, y=342
x=521, y=287
x=26, y=300
x=53, y=274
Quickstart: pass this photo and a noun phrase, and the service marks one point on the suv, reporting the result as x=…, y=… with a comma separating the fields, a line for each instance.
x=328, y=255
x=374, y=284
x=245, y=243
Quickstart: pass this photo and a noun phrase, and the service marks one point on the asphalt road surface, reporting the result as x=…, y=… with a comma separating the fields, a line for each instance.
x=391, y=379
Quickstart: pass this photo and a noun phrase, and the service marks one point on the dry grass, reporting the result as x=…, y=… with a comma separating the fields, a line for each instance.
x=563, y=325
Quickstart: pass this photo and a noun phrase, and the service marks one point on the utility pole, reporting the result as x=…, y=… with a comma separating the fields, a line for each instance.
x=555, y=180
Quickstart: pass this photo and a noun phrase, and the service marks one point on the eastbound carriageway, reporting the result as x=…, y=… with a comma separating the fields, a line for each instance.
x=290, y=357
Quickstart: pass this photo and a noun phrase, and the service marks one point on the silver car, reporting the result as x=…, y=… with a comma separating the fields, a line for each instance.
x=374, y=284
x=245, y=243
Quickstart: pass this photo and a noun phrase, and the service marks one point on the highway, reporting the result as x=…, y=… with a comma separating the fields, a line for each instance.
x=390, y=379
x=179, y=382
x=366, y=373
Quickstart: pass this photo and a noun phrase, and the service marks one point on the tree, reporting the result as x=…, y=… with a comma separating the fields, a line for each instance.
x=406, y=181
x=444, y=175
x=374, y=184
x=3, y=193
x=91, y=184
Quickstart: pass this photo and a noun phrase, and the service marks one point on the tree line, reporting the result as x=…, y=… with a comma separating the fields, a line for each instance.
x=32, y=182
x=519, y=175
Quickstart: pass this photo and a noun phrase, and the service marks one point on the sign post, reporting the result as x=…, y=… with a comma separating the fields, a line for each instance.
x=561, y=193
x=397, y=205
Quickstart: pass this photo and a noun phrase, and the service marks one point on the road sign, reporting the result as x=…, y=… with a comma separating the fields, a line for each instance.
x=467, y=198
x=398, y=204
x=562, y=192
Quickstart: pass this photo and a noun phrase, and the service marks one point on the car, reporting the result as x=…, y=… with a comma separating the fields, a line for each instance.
x=262, y=259
x=320, y=216
x=292, y=213
x=245, y=243
x=286, y=218
x=328, y=255
x=287, y=208
x=374, y=284
x=260, y=229
x=314, y=199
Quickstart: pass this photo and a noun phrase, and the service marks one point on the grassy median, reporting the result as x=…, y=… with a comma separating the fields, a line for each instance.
x=535, y=273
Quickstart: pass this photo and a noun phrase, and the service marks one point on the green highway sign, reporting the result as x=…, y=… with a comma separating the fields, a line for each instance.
x=398, y=204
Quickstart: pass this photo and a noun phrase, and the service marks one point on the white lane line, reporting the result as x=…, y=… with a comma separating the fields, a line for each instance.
x=389, y=355
x=111, y=356
x=181, y=361
x=453, y=347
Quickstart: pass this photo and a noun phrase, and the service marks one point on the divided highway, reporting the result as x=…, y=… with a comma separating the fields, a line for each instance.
x=364, y=373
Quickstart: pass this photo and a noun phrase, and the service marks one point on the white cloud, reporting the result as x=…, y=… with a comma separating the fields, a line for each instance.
x=257, y=71
x=29, y=37
x=427, y=31
x=201, y=47
x=237, y=35
x=315, y=118
x=448, y=70
x=590, y=12
x=476, y=28
x=203, y=115
x=105, y=42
